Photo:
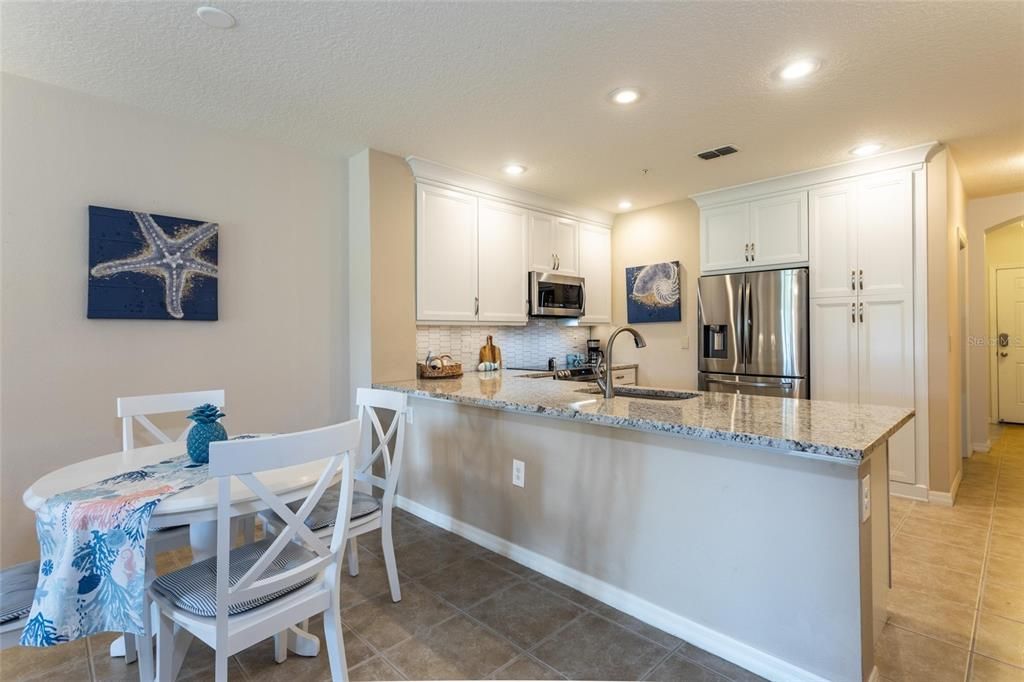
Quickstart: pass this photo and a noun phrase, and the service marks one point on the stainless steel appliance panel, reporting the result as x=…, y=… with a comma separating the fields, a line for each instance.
x=779, y=387
x=720, y=305
x=556, y=295
x=777, y=326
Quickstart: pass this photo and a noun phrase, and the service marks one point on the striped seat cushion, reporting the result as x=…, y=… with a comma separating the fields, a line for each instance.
x=17, y=587
x=326, y=510
x=194, y=588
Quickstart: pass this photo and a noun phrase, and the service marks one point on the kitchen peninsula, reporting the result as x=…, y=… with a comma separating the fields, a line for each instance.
x=753, y=527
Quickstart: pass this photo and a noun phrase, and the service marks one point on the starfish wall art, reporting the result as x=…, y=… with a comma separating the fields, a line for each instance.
x=147, y=266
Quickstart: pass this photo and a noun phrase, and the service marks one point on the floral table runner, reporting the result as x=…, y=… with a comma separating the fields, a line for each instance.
x=92, y=543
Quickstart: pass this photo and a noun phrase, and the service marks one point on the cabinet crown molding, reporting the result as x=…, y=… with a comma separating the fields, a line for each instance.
x=424, y=170
x=900, y=158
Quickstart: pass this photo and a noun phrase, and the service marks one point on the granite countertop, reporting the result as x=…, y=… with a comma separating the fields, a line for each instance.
x=836, y=431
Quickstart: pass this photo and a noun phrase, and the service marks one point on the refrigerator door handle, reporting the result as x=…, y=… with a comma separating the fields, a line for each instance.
x=751, y=384
x=750, y=322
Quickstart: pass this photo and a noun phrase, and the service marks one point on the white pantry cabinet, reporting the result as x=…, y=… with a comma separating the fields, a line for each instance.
x=446, y=255
x=862, y=237
x=596, y=269
x=554, y=244
x=502, y=238
x=834, y=355
x=764, y=233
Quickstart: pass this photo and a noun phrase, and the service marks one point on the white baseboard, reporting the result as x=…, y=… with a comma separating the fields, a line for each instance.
x=911, y=491
x=946, y=499
x=710, y=640
x=981, y=447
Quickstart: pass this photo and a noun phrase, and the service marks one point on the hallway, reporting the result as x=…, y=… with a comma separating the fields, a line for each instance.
x=956, y=610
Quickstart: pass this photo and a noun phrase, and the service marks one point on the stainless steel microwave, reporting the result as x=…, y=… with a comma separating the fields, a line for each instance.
x=556, y=295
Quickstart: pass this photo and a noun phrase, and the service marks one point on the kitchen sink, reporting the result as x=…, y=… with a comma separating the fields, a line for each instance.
x=646, y=393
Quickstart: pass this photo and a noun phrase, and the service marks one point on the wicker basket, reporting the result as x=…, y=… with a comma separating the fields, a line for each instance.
x=447, y=369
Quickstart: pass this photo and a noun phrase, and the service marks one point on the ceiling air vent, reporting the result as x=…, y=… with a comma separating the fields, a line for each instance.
x=715, y=153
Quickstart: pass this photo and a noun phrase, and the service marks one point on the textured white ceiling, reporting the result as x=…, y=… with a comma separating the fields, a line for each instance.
x=474, y=85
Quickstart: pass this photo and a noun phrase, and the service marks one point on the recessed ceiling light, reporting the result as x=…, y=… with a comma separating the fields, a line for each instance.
x=866, y=149
x=216, y=18
x=799, y=69
x=514, y=169
x=625, y=95
x=625, y=204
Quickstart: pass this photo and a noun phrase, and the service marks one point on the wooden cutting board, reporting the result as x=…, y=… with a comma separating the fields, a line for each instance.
x=489, y=352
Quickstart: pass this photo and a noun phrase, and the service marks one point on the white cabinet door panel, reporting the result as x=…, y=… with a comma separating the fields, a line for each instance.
x=724, y=236
x=502, y=234
x=446, y=255
x=778, y=230
x=885, y=234
x=542, y=247
x=833, y=240
x=596, y=270
x=834, y=349
x=566, y=245
x=886, y=340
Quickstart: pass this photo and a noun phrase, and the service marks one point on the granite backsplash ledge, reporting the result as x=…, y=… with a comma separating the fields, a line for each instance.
x=528, y=346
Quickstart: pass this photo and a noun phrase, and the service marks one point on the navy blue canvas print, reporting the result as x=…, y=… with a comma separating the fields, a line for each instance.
x=652, y=293
x=152, y=267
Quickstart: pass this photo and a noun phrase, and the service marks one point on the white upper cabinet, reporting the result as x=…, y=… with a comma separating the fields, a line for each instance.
x=756, y=234
x=446, y=255
x=554, y=244
x=503, y=262
x=596, y=269
x=833, y=239
x=541, y=242
x=725, y=237
x=778, y=229
x=566, y=245
x=885, y=234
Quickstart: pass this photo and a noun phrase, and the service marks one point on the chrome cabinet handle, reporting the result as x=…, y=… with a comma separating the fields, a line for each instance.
x=860, y=279
x=553, y=265
x=476, y=305
x=853, y=280
x=752, y=256
x=746, y=252
x=861, y=312
x=558, y=262
x=853, y=313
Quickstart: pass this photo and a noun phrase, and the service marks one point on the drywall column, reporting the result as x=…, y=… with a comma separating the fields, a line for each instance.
x=382, y=269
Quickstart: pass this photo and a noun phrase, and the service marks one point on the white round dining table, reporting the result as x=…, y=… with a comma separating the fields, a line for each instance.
x=195, y=507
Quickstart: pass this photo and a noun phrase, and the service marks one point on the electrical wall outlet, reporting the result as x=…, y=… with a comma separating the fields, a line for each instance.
x=865, y=498
x=519, y=473
x=685, y=345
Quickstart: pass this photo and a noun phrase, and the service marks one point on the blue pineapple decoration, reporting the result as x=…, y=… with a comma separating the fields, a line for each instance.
x=205, y=431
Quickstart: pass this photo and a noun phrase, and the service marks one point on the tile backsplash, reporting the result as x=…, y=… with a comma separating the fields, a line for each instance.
x=528, y=346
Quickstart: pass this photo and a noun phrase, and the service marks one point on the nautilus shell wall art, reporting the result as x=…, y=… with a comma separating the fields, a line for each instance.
x=653, y=293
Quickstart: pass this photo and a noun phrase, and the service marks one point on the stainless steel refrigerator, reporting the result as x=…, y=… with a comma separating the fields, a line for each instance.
x=753, y=333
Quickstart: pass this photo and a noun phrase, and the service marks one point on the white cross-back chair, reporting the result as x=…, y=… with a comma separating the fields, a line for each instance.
x=277, y=582
x=369, y=513
x=136, y=410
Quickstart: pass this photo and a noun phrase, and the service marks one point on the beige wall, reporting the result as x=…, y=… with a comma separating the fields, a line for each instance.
x=278, y=346
x=654, y=235
x=982, y=216
x=946, y=213
x=393, y=269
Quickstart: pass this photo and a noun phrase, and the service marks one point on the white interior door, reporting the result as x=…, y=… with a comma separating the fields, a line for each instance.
x=1010, y=357
x=503, y=271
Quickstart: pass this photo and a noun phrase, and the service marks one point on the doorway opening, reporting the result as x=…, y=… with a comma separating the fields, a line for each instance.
x=1004, y=258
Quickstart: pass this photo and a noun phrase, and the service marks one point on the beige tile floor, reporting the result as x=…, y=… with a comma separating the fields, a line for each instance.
x=466, y=613
x=956, y=610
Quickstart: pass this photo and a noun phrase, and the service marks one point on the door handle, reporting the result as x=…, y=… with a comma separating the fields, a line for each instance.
x=750, y=321
x=753, y=257
x=853, y=313
x=476, y=305
x=554, y=266
x=861, y=311
x=751, y=384
x=1003, y=354
x=746, y=253
x=853, y=280
x=860, y=279
x=558, y=262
